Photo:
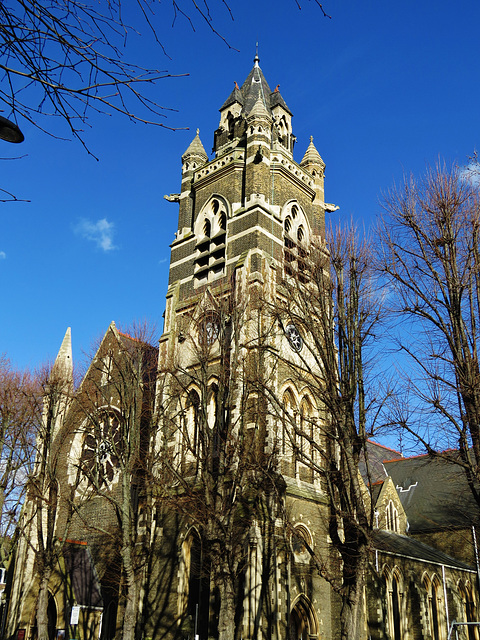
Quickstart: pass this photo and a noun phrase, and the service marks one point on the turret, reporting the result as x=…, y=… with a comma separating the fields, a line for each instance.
x=194, y=157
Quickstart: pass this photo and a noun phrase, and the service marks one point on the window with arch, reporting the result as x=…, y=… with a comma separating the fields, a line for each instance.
x=435, y=607
x=284, y=131
x=210, y=231
x=295, y=238
x=191, y=435
x=391, y=517
x=194, y=581
x=394, y=591
x=306, y=439
x=289, y=423
x=469, y=610
x=212, y=405
x=302, y=542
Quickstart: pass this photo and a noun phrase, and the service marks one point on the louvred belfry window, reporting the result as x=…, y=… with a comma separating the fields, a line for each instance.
x=295, y=237
x=211, y=231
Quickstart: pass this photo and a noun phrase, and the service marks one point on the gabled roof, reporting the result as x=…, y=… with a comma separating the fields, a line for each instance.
x=399, y=545
x=255, y=87
x=434, y=493
x=235, y=96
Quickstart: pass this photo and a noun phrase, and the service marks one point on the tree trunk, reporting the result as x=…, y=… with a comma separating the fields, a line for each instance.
x=130, y=613
x=226, y=616
x=351, y=616
x=42, y=605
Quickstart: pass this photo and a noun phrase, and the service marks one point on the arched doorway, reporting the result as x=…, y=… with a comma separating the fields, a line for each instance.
x=303, y=621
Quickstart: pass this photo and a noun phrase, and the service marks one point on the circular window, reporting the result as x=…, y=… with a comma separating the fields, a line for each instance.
x=294, y=338
x=102, y=445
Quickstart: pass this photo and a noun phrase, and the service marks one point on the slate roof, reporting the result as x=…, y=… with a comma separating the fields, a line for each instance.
x=311, y=155
x=254, y=87
x=394, y=543
x=196, y=148
x=377, y=454
x=433, y=492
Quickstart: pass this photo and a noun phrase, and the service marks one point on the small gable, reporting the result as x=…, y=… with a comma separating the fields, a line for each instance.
x=389, y=512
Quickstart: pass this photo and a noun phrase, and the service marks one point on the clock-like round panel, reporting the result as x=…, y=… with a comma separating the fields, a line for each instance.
x=294, y=338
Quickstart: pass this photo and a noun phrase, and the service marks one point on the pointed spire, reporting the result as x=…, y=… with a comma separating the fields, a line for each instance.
x=312, y=156
x=259, y=110
x=196, y=148
x=59, y=391
x=63, y=366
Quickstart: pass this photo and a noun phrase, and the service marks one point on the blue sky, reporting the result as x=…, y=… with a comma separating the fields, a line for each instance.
x=383, y=87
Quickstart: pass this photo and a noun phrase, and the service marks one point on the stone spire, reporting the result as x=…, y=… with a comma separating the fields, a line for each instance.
x=196, y=150
x=312, y=156
x=259, y=110
x=63, y=366
x=59, y=391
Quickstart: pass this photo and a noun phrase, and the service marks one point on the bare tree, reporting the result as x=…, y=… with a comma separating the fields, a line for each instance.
x=430, y=255
x=43, y=500
x=214, y=424
x=332, y=302
x=17, y=446
x=115, y=406
x=67, y=59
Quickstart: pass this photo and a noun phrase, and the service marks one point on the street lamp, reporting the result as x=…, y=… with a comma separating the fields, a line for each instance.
x=9, y=131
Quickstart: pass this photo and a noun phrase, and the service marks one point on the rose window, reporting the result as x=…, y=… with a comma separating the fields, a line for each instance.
x=101, y=451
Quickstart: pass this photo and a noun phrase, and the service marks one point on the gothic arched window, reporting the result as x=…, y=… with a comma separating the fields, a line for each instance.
x=469, y=612
x=210, y=231
x=295, y=239
x=194, y=580
x=391, y=517
x=289, y=426
x=302, y=544
x=191, y=435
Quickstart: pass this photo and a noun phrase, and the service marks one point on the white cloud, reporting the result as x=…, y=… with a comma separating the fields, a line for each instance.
x=471, y=173
x=100, y=232
x=3, y=255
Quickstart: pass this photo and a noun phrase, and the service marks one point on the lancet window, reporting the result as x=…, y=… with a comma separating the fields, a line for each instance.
x=191, y=438
x=289, y=424
x=435, y=607
x=391, y=517
x=395, y=604
x=469, y=613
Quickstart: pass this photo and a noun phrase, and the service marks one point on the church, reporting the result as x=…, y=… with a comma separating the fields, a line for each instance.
x=180, y=490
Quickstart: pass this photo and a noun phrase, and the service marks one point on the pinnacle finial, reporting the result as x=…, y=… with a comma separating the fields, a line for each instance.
x=198, y=132
x=256, y=60
x=311, y=138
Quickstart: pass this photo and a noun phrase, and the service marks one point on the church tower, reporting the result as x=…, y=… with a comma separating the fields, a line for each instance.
x=246, y=219
x=252, y=203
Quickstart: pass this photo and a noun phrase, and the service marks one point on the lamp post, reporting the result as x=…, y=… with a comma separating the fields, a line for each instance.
x=9, y=131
